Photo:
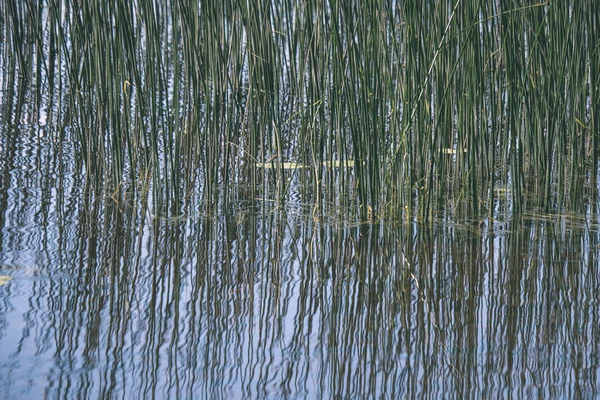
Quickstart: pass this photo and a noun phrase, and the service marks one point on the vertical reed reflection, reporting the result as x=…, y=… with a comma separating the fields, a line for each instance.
x=257, y=303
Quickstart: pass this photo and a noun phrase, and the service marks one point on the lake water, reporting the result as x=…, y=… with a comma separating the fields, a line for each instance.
x=259, y=301
x=145, y=251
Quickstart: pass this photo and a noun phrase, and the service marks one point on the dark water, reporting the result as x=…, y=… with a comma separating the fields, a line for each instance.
x=258, y=301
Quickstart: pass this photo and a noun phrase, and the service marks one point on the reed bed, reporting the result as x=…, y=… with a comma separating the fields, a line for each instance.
x=419, y=105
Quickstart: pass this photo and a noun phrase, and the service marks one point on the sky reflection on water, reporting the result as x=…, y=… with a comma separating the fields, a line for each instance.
x=109, y=302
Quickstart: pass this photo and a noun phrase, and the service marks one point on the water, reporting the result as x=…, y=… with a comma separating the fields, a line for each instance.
x=193, y=281
x=257, y=301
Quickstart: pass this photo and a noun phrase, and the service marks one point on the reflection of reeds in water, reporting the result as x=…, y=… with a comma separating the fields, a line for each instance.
x=259, y=304
x=190, y=98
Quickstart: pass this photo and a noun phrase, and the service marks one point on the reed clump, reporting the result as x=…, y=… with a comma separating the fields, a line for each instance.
x=418, y=104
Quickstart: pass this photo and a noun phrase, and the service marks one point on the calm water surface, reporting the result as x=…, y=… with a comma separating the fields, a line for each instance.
x=256, y=301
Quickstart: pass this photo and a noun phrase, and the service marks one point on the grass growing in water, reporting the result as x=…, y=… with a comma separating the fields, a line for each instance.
x=418, y=103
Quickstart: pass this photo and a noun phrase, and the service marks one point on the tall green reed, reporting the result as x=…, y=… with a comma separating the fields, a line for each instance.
x=424, y=106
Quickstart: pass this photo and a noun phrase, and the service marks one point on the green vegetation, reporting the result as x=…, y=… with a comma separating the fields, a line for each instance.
x=415, y=103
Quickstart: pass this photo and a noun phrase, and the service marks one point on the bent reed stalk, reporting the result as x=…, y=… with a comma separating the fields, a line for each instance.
x=420, y=105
